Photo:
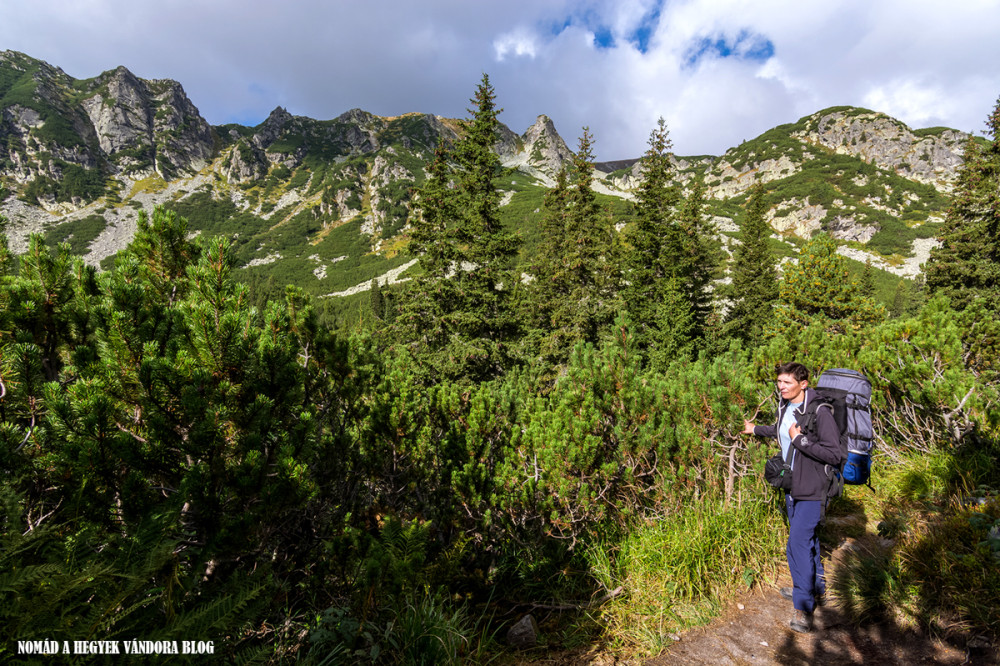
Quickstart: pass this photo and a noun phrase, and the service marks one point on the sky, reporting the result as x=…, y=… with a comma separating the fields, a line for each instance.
x=718, y=71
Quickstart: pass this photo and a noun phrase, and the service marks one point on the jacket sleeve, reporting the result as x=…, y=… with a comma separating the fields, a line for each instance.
x=826, y=447
x=766, y=431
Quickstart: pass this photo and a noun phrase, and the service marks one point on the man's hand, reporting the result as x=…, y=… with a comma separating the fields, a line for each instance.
x=794, y=430
x=747, y=427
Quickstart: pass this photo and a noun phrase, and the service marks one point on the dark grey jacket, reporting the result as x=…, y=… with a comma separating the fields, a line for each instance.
x=816, y=455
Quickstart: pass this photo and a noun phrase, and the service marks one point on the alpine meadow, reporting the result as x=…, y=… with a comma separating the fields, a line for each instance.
x=373, y=390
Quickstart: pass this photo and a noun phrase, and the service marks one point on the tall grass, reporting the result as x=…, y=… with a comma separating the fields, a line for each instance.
x=420, y=628
x=675, y=573
x=931, y=556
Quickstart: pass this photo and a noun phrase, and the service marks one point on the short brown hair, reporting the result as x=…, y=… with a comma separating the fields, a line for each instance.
x=797, y=370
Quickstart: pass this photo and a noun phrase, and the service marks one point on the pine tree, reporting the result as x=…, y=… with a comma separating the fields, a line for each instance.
x=49, y=303
x=754, y=288
x=486, y=324
x=899, y=300
x=867, y=283
x=819, y=288
x=656, y=240
x=549, y=285
x=674, y=333
x=162, y=247
x=967, y=265
x=420, y=324
x=436, y=210
x=376, y=302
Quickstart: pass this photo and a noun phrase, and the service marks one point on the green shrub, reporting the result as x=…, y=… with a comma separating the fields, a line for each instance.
x=78, y=233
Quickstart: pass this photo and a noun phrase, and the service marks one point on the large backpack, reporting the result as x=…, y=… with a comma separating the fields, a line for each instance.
x=850, y=393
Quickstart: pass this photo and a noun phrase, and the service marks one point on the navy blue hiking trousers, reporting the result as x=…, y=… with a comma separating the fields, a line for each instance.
x=804, y=563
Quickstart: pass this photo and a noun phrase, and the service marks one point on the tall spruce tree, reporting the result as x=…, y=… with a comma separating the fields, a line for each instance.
x=549, y=284
x=655, y=248
x=867, y=283
x=376, y=301
x=754, y=288
x=431, y=235
x=421, y=325
x=967, y=265
x=584, y=279
x=700, y=259
x=673, y=335
x=461, y=321
x=899, y=300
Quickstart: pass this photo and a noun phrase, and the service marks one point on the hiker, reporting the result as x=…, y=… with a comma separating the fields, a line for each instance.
x=810, y=456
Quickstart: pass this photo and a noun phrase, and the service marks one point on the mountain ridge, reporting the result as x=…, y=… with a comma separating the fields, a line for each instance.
x=103, y=148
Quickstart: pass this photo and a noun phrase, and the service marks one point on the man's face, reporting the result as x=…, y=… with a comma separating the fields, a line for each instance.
x=790, y=388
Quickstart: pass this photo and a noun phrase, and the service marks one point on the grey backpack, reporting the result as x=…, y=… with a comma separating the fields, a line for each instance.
x=850, y=393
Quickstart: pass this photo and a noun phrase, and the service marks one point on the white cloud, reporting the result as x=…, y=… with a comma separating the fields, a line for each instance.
x=923, y=61
x=910, y=100
x=518, y=42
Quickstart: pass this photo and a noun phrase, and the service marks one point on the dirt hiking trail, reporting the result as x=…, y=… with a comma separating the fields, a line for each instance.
x=753, y=630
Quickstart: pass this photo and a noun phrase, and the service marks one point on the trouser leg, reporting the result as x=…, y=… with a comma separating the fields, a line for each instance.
x=820, y=579
x=803, y=552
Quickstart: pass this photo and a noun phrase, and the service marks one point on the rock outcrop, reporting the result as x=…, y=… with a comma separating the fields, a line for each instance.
x=115, y=122
x=140, y=124
x=931, y=156
x=539, y=151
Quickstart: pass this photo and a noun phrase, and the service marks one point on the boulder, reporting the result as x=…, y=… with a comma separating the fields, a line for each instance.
x=524, y=633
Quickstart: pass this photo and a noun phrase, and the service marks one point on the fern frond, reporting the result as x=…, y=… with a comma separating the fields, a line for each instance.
x=215, y=614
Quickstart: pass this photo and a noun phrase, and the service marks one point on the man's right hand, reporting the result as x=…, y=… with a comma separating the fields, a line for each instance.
x=747, y=427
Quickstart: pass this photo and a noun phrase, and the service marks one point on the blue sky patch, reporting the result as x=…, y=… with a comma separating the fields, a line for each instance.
x=603, y=39
x=640, y=36
x=745, y=46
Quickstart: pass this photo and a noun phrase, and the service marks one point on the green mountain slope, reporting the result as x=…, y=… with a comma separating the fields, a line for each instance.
x=324, y=204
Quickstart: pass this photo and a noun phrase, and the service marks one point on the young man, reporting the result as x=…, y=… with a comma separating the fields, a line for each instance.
x=814, y=455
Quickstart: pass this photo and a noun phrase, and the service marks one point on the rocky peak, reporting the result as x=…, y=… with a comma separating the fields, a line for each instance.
x=540, y=150
x=272, y=128
x=546, y=148
x=116, y=122
x=927, y=156
x=137, y=121
x=278, y=118
x=119, y=112
x=355, y=116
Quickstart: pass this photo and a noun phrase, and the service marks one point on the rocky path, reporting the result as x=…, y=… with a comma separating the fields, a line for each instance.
x=754, y=630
